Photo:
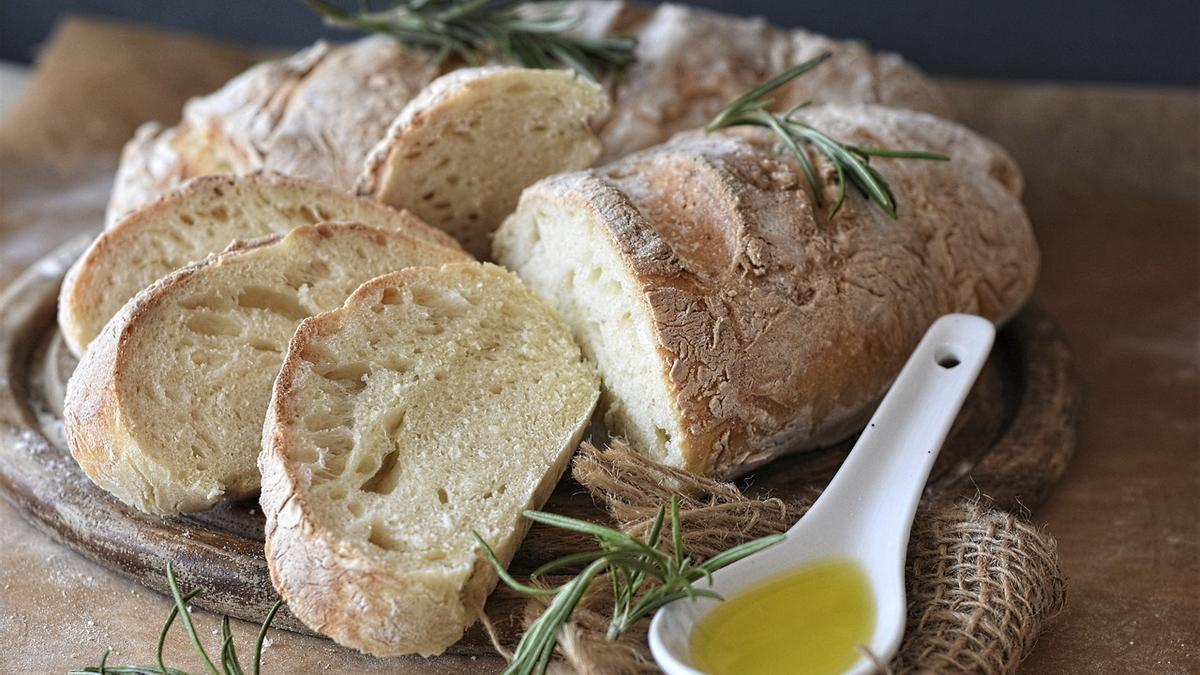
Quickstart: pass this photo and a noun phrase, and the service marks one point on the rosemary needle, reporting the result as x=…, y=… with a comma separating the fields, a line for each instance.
x=851, y=163
x=230, y=664
x=643, y=578
x=476, y=29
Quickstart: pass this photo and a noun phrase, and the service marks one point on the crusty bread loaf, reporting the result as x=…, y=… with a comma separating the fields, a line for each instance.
x=437, y=401
x=320, y=112
x=730, y=319
x=692, y=62
x=199, y=219
x=315, y=114
x=165, y=409
x=460, y=153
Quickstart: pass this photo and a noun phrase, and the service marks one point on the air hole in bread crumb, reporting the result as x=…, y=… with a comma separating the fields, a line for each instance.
x=355, y=508
x=337, y=443
x=391, y=296
x=323, y=420
x=386, y=477
x=306, y=454
x=263, y=345
x=496, y=388
x=187, y=219
x=219, y=213
x=435, y=556
x=207, y=323
x=351, y=376
x=383, y=539
x=272, y=300
x=392, y=421
x=442, y=496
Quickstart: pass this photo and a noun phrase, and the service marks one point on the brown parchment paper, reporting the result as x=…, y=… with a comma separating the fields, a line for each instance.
x=1113, y=178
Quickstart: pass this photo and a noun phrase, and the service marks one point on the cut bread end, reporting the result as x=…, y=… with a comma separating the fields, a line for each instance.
x=563, y=250
x=460, y=153
x=165, y=409
x=201, y=218
x=436, y=402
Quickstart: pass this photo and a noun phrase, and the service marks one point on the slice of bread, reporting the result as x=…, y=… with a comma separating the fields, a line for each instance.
x=460, y=153
x=199, y=219
x=434, y=403
x=165, y=409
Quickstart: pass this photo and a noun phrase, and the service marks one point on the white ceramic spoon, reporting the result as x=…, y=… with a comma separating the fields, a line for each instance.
x=866, y=513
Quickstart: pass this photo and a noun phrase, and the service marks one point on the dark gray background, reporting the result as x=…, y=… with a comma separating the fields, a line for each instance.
x=1146, y=41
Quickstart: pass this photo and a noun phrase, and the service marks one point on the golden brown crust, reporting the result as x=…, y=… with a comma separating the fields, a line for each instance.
x=87, y=298
x=778, y=328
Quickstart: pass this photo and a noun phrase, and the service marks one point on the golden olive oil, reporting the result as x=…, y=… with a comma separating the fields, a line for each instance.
x=807, y=620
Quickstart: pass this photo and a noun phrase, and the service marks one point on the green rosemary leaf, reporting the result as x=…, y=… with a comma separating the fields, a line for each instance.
x=229, y=659
x=475, y=30
x=851, y=163
x=186, y=617
x=505, y=576
x=262, y=634
x=740, y=551
x=162, y=634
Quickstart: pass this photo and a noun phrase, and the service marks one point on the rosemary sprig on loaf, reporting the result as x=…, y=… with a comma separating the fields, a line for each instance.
x=475, y=30
x=852, y=162
x=643, y=576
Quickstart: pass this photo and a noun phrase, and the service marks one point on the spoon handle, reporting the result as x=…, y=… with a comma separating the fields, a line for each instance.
x=878, y=487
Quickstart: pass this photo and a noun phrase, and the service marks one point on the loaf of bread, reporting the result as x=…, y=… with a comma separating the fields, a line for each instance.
x=692, y=62
x=196, y=220
x=165, y=409
x=460, y=153
x=313, y=115
x=731, y=320
x=319, y=114
x=436, y=402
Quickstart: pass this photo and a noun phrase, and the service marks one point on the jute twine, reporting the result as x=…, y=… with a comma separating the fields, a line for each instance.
x=982, y=583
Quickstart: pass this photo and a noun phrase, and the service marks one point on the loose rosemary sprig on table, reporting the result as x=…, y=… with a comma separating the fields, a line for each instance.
x=230, y=665
x=852, y=162
x=644, y=578
x=475, y=29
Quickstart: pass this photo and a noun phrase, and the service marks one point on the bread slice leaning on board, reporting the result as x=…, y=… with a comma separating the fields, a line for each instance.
x=731, y=320
x=460, y=152
x=196, y=220
x=165, y=409
x=436, y=402
x=319, y=113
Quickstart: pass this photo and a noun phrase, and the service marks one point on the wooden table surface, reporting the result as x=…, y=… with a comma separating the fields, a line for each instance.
x=1113, y=189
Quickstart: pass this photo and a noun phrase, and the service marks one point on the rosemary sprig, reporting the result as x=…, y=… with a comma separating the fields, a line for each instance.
x=644, y=578
x=476, y=29
x=851, y=162
x=230, y=665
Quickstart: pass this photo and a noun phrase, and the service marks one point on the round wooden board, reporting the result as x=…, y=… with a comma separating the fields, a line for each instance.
x=1011, y=444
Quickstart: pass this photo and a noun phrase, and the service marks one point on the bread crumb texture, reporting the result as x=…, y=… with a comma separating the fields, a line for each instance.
x=436, y=402
x=165, y=408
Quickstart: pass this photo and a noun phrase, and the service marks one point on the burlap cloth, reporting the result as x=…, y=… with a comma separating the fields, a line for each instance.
x=981, y=583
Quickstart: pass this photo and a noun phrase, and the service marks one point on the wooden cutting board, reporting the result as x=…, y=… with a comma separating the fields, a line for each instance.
x=1011, y=443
